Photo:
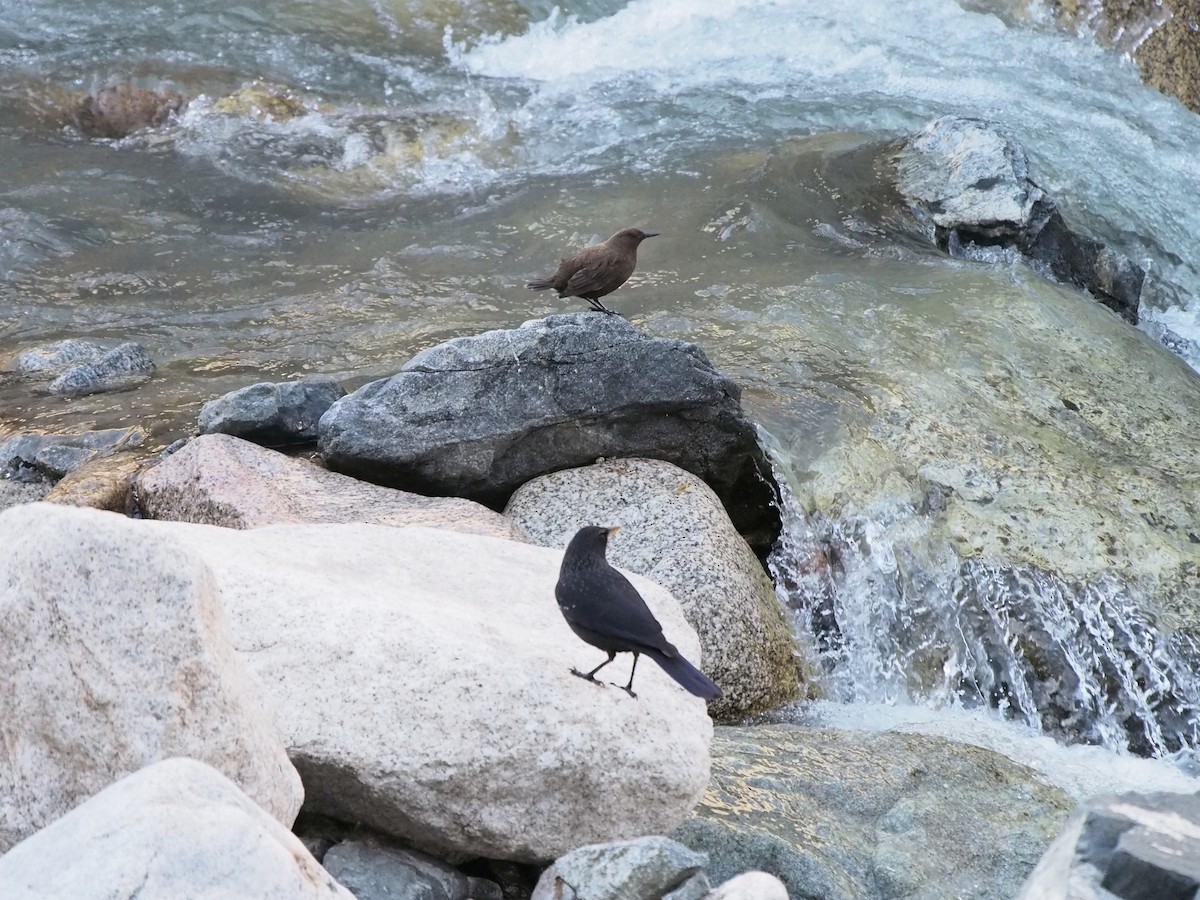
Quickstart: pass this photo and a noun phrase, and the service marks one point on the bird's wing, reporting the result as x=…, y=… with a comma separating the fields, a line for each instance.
x=591, y=277
x=610, y=605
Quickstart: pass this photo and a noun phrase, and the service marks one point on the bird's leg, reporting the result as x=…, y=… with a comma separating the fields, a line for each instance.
x=591, y=676
x=629, y=687
x=598, y=306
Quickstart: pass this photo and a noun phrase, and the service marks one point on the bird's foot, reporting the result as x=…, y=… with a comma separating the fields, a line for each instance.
x=626, y=688
x=586, y=676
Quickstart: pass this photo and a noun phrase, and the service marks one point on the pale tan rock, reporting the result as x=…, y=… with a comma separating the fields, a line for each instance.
x=217, y=479
x=116, y=653
x=674, y=531
x=177, y=828
x=751, y=886
x=422, y=683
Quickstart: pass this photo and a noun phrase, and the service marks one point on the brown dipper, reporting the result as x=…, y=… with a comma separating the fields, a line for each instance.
x=598, y=270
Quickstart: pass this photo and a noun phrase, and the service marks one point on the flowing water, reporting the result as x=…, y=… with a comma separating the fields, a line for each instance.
x=355, y=180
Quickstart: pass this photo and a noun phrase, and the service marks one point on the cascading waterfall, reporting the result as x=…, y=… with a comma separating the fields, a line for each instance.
x=1078, y=662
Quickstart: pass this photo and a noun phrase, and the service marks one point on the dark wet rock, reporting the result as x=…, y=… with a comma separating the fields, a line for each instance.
x=373, y=872
x=33, y=457
x=121, y=109
x=272, y=414
x=52, y=359
x=969, y=184
x=121, y=368
x=1133, y=846
x=479, y=416
x=646, y=868
x=843, y=814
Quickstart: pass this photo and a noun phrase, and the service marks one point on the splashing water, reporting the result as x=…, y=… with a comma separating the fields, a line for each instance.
x=1075, y=661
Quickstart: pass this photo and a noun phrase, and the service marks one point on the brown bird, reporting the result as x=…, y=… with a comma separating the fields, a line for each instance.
x=598, y=270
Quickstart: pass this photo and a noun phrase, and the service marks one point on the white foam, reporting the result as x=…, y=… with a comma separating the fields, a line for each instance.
x=1081, y=771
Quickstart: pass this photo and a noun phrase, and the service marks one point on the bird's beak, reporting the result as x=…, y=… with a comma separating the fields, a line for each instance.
x=647, y=234
x=614, y=530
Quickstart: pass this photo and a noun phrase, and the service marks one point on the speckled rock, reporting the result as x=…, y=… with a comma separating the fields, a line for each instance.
x=751, y=886
x=176, y=828
x=117, y=653
x=676, y=532
x=221, y=480
x=270, y=413
x=374, y=872
x=641, y=869
x=846, y=815
x=124, y=367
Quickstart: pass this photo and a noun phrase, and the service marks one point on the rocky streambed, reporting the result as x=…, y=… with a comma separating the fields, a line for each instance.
x=340, y=670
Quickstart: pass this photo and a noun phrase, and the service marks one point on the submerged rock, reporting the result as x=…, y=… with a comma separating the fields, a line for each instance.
x=1005, y=520
x=119, y=369
x=117, y=654
x=867, y=815
x=176, y=828
x=52, y=359
x=272, y=414
x=121, y=109
x=675, y=532
x=479, y=416
x=222, y=480
x=52, y=456
x=641, y=869
x=971, y=184
x=1133, y=846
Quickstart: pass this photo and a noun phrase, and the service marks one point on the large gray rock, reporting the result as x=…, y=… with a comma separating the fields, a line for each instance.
x=846, y=815
x=389, y=652
x=177, y=828
x=675, y=532
x=272, y=414
x=479, y=416
x=1133, y=846
x=641, y=869
x=117, y=654
x=124, y=367
x=222, y=480
x=971, y=183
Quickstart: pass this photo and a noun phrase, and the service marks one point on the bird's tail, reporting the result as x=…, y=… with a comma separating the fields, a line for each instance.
x=689, y=677
x=540, y=284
